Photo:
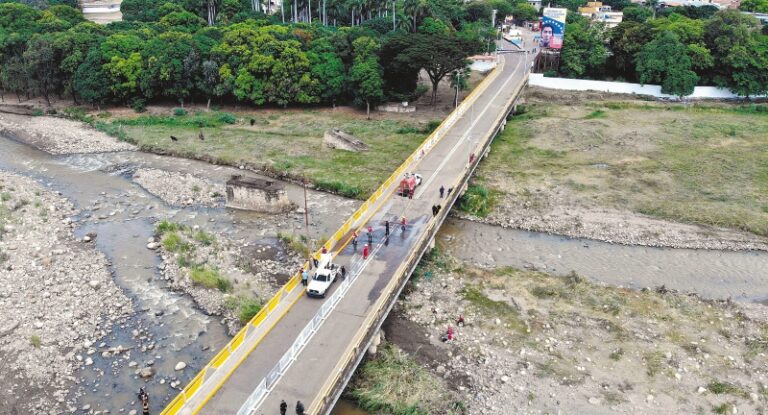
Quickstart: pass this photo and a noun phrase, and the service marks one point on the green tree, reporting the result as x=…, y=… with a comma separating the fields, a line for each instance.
x=91, y=82
x=665, y=61
x=636, y=13
x=738, y=47
x=524, y=11
x=327, y=69
x=584, y=53
x=170, y=64
x=758, y=6
x=625, y=42
x=42, y=66
x=366, y=73
x=438, y=55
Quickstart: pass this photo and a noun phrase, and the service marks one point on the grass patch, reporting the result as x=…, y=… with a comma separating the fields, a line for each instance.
x=34, y=340
x=500, y=309
x=724, y=408
x=204, y=238
x=653, y=362
x=299, y=245
x=617, y=354
x=210, y=278
x=282, y=142
x=726, y=388
x=173, y=242
x=393, y=383
x=477, y=201
x=697, y=164
x=246, y=307
x=595, y=114
x=5, y=196
x=167, y=226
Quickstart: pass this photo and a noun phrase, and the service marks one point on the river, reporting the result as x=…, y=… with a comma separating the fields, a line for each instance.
x=97, y=183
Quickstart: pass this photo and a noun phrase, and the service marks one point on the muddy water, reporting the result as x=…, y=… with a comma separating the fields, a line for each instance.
x=712, y=274
x=122, y=215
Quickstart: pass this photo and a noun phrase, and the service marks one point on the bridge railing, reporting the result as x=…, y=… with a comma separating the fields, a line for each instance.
x=354, y=222
x=357, y=347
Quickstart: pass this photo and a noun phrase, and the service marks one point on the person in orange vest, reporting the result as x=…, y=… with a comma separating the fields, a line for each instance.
x=365, y=251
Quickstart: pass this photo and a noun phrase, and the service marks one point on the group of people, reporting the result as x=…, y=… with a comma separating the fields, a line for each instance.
x=299, y=408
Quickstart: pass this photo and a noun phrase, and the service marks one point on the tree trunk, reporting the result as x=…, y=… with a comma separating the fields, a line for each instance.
x=208, y=105
x=434, y=92
x=368, y=109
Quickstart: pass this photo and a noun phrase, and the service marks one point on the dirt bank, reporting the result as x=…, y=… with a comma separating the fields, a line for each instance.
x=58, y=135
x=57, y=299
x=180, y=189
x=533, y=343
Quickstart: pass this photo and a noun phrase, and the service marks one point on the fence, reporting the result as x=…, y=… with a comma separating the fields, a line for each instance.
x=354, y=222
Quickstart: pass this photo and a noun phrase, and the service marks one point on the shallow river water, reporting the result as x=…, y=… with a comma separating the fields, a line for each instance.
x=183, y=333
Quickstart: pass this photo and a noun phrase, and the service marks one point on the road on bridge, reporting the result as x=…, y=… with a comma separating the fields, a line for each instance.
x=305, y=378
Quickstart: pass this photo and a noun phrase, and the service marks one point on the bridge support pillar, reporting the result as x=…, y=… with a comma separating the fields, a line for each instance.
x=375, y=342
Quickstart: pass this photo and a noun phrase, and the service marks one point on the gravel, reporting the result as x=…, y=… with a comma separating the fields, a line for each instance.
x=57, y=298
x=59, y=136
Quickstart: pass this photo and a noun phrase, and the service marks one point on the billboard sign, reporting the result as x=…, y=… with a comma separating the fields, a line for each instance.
x=552, y=28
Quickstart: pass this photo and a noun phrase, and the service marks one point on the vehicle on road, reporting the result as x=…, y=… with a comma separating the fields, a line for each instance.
x=325, y=275
x=409, y=184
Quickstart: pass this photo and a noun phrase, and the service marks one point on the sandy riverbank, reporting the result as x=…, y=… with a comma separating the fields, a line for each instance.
x=57, y=299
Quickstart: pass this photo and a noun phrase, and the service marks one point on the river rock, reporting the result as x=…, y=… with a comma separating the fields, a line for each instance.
x=94, y=284
x=146, y=372
x=180, y=366
x=153, y=245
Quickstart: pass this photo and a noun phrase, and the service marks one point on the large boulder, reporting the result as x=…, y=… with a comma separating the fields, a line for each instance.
x=335, y=138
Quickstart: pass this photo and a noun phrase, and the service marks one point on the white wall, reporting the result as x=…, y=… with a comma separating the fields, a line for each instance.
x=700, y=92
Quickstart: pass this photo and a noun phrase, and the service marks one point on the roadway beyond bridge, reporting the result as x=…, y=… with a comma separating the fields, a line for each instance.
x=307, y=349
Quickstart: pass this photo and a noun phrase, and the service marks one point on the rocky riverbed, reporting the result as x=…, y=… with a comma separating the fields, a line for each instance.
x=180, y=189
x=222, y=275
x=58, y=135
x=57, y=299
x=533, y=343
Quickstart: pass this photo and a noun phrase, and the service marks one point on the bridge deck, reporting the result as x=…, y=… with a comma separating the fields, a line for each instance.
x=316, y=363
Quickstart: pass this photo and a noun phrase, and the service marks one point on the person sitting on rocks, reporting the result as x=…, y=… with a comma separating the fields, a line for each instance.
x=448, y=336
x=460, y=321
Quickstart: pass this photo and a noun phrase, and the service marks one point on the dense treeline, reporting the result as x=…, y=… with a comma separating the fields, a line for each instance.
x=677, y=48
x=228, y=50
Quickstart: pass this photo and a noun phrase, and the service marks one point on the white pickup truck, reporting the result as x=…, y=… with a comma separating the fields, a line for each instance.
x=325, y=275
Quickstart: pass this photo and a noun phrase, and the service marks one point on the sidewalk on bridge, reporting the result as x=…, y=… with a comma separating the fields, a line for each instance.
x=250, y=342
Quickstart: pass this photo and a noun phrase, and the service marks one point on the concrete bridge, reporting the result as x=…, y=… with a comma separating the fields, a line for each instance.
x=301, y=348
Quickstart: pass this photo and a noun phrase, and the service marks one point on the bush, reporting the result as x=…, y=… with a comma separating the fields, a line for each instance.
x=550, y=73
x=78, y=114
x=431, y=126
x=139, y=105
x=204, y=238
x=166, y=226
x=249, y=307
x=179, y=112
x=209, y=278
x=227, y=118
x=477, y=200
x=173, y=242
x=339, y=188
x=37, y=112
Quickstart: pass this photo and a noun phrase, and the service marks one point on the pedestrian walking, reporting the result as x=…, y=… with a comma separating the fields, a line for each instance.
x=450, y=189
x=434, y=210
x=437, y=211
x=365, y=251
x=354, y=241
x=283, y=407
x=460, y=321
x=402, y=223
x=299, y=408
x=386, y=228
x=442, y=191
x=304, y=277
x=471, y=158
x=314, y=261
x=343, y=272
x=370, y=236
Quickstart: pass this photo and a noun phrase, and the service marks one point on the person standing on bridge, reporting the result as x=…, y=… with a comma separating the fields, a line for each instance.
x=370, y=236
x=299, y=408
x=304, y=277
x=442, y=191
x=386, y=228
x=354, y=241
x=365, y=251
x=343, y=272
x=283, y=407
